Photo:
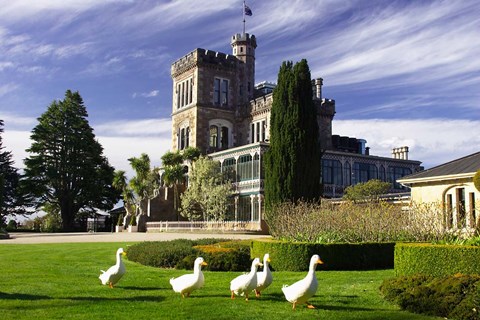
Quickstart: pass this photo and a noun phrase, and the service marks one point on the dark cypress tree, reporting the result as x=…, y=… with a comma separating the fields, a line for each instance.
x=276, y=160
x=66, y=168
x=10, y=202
x=308, y=154
x=292, y=163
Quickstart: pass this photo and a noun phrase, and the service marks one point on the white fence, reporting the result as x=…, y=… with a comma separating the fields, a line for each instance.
x=162, y=226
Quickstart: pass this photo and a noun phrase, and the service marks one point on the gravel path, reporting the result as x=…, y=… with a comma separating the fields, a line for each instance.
x=29, y=238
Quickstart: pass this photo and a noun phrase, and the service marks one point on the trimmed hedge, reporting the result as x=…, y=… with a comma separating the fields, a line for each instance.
x=295, y=256
x=220, y=254
x=436, y=260
x=165, y=254
x=453, y=297
x=227, y=256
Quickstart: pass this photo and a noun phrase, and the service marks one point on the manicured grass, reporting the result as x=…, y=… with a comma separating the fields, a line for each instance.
x=60, y=281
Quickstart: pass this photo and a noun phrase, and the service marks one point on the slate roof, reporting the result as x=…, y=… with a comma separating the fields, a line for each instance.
x=467, y=164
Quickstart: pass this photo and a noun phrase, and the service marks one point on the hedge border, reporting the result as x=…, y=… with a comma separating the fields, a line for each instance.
x=295, y=256
x=435, y=259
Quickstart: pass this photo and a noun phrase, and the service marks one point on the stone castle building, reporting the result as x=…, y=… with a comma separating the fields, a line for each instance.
x=218, y=108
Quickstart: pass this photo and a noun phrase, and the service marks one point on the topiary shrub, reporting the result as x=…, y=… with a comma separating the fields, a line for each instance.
x=454, y=297
x=295, y=256
x=436, y=260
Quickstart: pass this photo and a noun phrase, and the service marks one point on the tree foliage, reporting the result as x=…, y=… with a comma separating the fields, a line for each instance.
x=175, y=171
x=208, y=193
x=476, y=180
x=139, y=190
x=10, y=200
x=370, y=190
x=292, y=163
x=66, y=167
x=173, y=175
x=146, y=182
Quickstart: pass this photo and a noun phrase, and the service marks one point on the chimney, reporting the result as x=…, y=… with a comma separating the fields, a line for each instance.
x=318, y=86
x=361, y=146
x=400, y=153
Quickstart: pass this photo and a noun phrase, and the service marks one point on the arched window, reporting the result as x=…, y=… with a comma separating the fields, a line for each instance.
x=348, y=174
x=245, y=167
x=229, y=168
x=332, y=172
x=213, y=137
x=183, y=136
x=224, y=138
x=220, y=134
x=362, y=172
x=256, y=166
x=381, y=173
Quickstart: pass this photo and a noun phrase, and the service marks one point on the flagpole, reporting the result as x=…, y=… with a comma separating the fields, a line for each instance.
x=243, y=10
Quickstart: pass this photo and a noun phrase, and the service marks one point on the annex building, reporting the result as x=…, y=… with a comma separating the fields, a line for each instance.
x=220, y=108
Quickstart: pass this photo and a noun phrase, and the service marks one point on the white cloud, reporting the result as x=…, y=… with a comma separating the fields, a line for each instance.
x=135, y=128
x=150, y=94
x=5, y=65
x=16, y=142
x=7, y=88
x=17, y=122
x=397, y=43
x=120, y=140
x=433, y=141
x=22, y=9
x=119, y=149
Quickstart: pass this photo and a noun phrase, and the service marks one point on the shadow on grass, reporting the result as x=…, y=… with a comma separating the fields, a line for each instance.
x=141, y=288
x=99, y=299
x=22, y=296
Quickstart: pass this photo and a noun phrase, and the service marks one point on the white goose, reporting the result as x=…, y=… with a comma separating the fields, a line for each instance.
x=264, y=278
x=188, y=282
x=115, y=272
x=302, y=290
x=246, y=282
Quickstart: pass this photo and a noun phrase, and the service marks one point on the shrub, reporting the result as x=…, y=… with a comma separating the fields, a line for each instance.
x=454, y=296
x=164, y=254
x=350, y=222
x=11, y=225
x=220, y=254
x=367, y=191
x=436, y=260
x=295, y=256
x=227, y=256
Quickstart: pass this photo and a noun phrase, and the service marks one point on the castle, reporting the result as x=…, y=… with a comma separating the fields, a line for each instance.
x=218, y=108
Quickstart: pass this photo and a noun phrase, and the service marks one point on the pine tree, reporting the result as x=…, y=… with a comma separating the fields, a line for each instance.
x=10, y=203
x=292, y=163
x=66, y=167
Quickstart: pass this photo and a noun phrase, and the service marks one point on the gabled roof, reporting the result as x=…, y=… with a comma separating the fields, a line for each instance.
x=466, y=166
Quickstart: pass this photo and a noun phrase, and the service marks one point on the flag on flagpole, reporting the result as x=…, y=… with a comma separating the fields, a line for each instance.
x=248, y=11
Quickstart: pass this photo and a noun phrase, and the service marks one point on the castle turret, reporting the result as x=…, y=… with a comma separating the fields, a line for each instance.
x=243, y=46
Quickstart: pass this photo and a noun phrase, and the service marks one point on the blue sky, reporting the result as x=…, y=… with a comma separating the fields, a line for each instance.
x=401, y=72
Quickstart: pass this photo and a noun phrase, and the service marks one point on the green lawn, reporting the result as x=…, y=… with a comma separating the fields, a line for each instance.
x=60, y=281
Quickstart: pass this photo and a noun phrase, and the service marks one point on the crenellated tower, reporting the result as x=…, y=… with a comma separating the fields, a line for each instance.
x=243, y=47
